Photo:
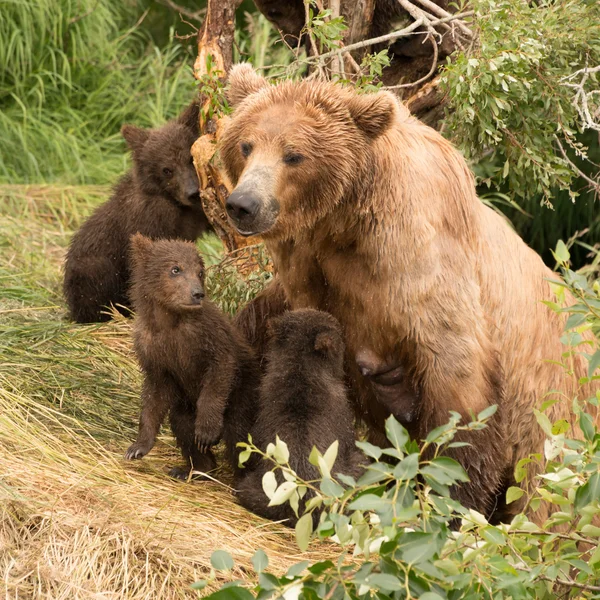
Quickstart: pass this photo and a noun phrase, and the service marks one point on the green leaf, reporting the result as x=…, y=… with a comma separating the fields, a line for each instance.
x=594, y=363
x=331, y=454
x=260, y=561
x=561, y=253
x=369, y=502
x=588, y=493
x=304, y=529
x=396, y=433
x=430, y=596
x=587, y=426
x=331, y=488
x=513, y=493
x=199, y=585
x=488, y=412
x=297, y=569
x=243, y=457
x=544, y=422
x=283, y=493
x=235, y=592
x=385, y=582
x=368, y=449
x=407, y=468
x=221, y=560
x=281, y=453
x=445, y=470
x=269, y=484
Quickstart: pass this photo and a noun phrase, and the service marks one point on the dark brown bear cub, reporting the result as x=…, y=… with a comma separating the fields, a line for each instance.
x=159, y=197
x=303, y=401
x=196, y=366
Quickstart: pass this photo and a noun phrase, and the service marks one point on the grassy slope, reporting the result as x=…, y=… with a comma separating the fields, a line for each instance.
x=75, y=519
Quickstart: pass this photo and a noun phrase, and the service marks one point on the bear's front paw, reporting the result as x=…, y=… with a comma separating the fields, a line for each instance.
x=138, y=450
x=207, y=434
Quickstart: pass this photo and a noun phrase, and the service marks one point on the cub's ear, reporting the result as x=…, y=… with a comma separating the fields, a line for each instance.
x=326, y=343
x=190, y=117
x=135, y=137
x=243, y=81
x=140, y=246
x=373, y=113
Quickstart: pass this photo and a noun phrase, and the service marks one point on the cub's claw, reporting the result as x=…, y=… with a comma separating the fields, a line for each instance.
x=137, y=450
x=207, y=437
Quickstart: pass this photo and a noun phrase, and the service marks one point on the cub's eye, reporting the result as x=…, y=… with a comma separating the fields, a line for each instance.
x=293, y=159
x=246, y=149
x=200, y=274
x=167, y=172
x=175, y=271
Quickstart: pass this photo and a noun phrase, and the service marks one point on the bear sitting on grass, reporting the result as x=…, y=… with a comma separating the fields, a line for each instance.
x=303, y=400
x=159, y=197
x=196, y=366
x=374, y=217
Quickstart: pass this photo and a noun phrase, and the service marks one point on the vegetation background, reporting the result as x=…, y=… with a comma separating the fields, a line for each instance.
x=75, y=521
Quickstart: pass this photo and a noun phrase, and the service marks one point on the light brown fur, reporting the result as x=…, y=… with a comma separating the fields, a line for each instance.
x=381, y=226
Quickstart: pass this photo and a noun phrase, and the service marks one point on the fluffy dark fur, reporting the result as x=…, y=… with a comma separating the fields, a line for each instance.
x=303, y=401
x=159, y=197
x=195, y=364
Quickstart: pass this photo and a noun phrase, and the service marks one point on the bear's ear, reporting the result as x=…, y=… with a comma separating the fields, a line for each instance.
x=373, y=113
x=141, y=246
x=135, y=137
x=190, y=117
x=243, y=81
x=325, y=343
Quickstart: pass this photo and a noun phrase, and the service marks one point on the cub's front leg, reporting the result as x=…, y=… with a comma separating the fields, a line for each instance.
x=210, y=408
x=159, y=392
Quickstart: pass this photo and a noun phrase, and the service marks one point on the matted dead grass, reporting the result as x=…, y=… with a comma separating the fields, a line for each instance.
x=76, y=520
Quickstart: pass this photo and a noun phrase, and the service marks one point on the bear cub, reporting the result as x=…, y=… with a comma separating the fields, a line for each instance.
x=303, y=400
x=159, y=198
x=196, y=366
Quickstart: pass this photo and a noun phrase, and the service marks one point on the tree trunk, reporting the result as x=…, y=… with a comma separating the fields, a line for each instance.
x=215, y=57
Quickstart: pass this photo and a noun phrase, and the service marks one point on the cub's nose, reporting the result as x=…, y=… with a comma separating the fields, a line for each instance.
x=197, y=295
x=242, y=205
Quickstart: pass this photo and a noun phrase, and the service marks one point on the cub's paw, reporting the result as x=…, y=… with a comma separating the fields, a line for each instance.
x=207, y=434
x=181, y=473
x=138, y=450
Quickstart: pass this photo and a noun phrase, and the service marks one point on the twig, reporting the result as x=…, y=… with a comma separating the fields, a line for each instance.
x=182, y=10
x=313, y=44
x=592, y=182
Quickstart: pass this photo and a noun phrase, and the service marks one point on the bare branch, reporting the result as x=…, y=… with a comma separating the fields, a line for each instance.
x=440, y=12
x=408, y=30
x=581, y=100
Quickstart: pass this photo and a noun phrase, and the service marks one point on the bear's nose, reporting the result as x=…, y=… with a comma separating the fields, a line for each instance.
x=241, y=205
x=197, y=294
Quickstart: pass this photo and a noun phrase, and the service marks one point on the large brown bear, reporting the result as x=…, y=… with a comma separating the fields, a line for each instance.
x=373, y=216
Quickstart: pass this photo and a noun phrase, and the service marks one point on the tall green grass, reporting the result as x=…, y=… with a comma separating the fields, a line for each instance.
x=71, y=73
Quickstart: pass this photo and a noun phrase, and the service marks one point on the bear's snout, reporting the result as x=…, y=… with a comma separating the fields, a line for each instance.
x=242, y=206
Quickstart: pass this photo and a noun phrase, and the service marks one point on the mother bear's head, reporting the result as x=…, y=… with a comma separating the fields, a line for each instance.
x=296, y=149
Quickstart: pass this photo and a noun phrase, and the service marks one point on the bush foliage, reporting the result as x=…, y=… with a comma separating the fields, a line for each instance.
x=401, y=536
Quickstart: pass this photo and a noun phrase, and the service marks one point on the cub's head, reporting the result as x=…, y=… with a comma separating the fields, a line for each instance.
x=162, y=159
x=296, y=149
x=310, y=336
x=166, y=272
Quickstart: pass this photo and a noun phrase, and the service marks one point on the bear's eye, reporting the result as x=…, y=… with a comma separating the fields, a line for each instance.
x=175, y=271
x=167, y=172
x=246, y=149
x=293, y=159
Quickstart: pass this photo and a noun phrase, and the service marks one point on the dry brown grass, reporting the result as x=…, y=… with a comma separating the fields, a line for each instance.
x=76, y=520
